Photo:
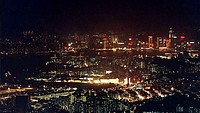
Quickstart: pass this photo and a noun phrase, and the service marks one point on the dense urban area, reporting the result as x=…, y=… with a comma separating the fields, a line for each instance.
x=111, y=72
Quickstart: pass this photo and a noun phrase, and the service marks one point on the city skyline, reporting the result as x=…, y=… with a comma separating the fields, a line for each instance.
x=85, y=56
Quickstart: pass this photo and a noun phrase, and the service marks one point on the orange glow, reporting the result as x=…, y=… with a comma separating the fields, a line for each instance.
x=130, y=44
x=182, y=37
x=105, y=39
x=66, y=47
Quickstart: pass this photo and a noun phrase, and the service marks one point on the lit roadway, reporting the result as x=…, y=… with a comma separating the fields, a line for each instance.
x=11, y=92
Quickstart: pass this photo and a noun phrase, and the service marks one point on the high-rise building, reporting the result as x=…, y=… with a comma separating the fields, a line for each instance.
x=172, y=39
x=171, y=33
x=150, y=41
x=159, y=42
x=179, y=109
x=114, y=40
x=105, y=41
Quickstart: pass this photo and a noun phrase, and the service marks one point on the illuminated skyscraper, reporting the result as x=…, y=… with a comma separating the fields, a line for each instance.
x=171, y=38
x=114, y=40
x=171, y=33
x=105, y=41
x=159, y=42
x=150, y=41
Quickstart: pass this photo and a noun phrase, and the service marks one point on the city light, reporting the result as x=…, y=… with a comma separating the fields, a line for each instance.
x=100, y=57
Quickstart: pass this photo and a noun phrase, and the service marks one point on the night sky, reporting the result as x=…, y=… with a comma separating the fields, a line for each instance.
x=85, y=16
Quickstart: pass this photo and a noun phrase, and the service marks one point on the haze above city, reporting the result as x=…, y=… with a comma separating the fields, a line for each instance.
x=86, y=16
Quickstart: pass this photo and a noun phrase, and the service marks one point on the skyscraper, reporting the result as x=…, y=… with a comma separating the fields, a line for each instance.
x=150, y=41
x=171, y=35
x=171, y=38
